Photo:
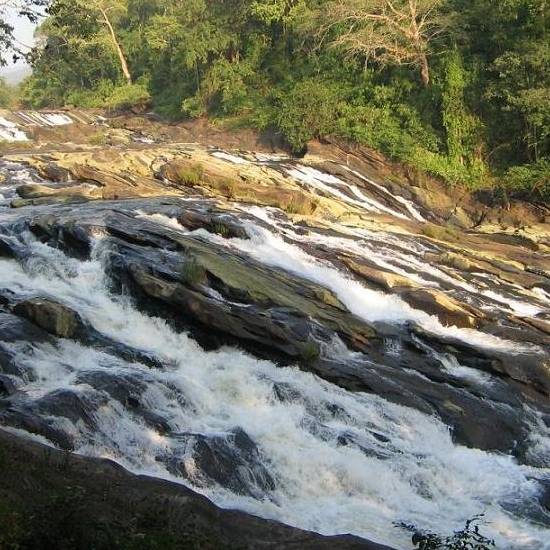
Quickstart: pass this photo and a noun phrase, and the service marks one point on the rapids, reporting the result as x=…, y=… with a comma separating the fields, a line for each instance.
x=255, y=434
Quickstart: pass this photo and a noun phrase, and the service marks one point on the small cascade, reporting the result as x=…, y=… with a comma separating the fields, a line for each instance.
x=9, y=131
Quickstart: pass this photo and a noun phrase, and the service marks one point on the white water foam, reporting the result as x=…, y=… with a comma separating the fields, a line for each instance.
x=9, y=131
x=366, y=303
x=409, y=205
x=56, y=119
x=327, y=183
x=231, y=158
x=418, y=475
x=386, y=250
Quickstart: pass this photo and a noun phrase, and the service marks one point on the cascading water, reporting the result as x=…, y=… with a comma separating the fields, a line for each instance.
x=301, y=450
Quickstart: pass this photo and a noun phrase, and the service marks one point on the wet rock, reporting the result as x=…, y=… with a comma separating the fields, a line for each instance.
x=34, y=190
x=224, y=224
x=11, y=363
x=76, y=405
x=544, y=495
x=58, y=198
x=234, y=293
x=7, y=247
x=53, y=172
x=127, y=389
x=112, y=492
x=62, y=321
x=70, y=236
x=379, y=277
x=53, y=317
x=449, y=311
x=531, y=368
x=232, y=460
x=7, y=387
x=14, y=329
x=27, y=419
x=115, y=186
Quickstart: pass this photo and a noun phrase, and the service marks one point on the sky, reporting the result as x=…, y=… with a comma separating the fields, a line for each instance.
x=23, y=32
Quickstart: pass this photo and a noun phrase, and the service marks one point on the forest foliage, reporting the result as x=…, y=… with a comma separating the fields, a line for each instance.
x=457, y=88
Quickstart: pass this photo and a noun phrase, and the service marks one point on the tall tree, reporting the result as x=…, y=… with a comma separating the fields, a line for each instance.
x=106, y=12
x=391, y=32
x=104, y=8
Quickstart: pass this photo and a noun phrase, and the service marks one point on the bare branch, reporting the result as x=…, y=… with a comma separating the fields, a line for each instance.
x=389, y=31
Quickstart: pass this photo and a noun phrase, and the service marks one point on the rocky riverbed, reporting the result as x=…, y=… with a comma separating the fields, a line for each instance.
x=329, y=341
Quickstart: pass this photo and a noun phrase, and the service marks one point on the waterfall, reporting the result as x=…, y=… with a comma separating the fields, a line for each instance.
x=287, y=444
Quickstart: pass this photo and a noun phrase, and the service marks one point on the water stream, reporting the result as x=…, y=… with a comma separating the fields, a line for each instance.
x=321, y=458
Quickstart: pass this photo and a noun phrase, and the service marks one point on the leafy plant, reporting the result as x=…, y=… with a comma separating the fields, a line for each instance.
x=530, y=181
x=311, y=351
x=467, y=538
x=128, y=96
x=307, y=110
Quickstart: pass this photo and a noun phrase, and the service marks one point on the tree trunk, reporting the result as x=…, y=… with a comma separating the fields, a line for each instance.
x=424, y=70
x=118, y=49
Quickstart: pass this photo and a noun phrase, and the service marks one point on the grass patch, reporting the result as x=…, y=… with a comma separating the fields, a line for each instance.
x=303, y=207
x=310, y=352
x=97, y=139
x=229, y=188
x=190, y=176
x=192, y=273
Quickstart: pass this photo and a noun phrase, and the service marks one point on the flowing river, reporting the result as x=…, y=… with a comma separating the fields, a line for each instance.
x=254, y=434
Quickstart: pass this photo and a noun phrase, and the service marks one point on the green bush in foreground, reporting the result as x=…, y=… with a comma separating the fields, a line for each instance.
x=467, y=538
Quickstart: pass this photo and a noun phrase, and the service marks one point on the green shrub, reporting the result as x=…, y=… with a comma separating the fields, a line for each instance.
x=531, y=181
x=190, y=176
x=128, y=96
x=36, y=92
x=292, y=208
x=90, y=98
x=310, y=351
x=307, y=110
x=7, y=95
x=468, y=538
x=97, y=139
x=449, y=170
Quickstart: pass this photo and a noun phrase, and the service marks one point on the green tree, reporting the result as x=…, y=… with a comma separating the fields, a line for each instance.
x=461, y=127
x=6, y=95
x=106, y=14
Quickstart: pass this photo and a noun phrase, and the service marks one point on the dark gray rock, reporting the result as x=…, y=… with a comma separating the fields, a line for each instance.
x=55, y=318
x=112, y=492
x=231, y=460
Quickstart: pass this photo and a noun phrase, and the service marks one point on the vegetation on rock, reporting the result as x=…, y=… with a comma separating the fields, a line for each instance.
x=469, y=537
